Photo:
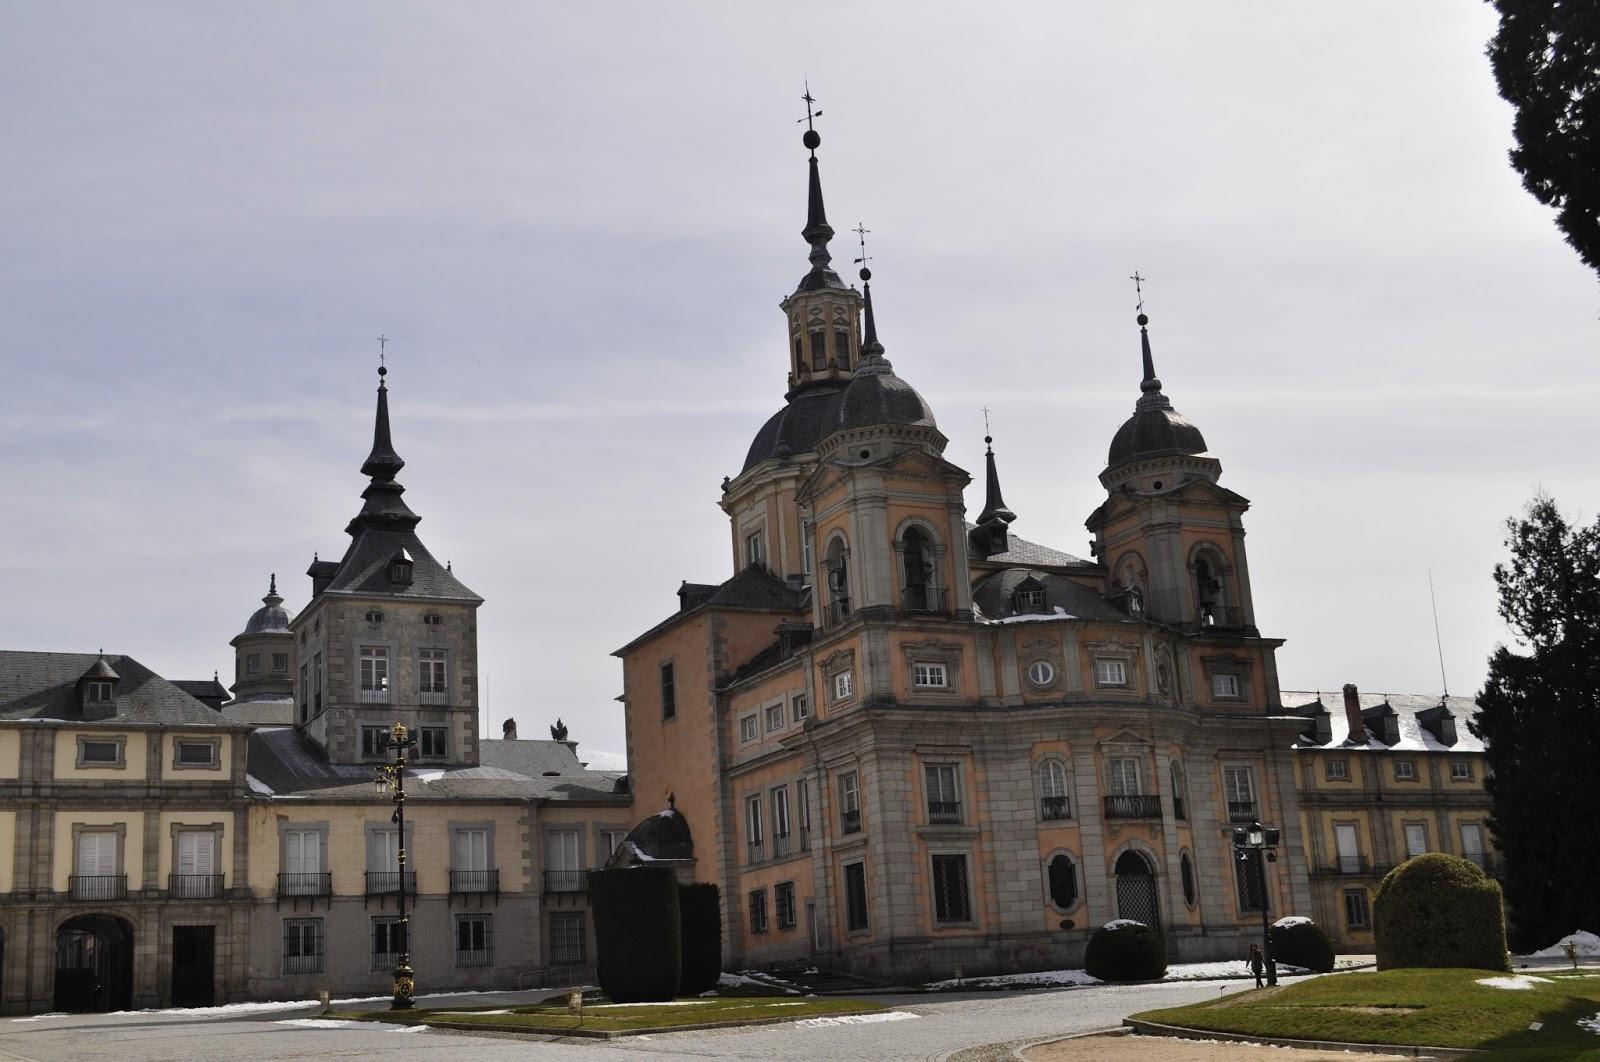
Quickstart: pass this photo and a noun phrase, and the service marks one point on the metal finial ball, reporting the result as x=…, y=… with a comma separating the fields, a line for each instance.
x=383, y=370
x=811, y=139
x=866, y=274
x=988, y=440
x=1143, y=320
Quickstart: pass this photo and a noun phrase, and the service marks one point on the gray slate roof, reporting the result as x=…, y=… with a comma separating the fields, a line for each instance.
x=816, y=412
x=1413, y=737
x=364, y=569
x=45, y=686
x=753, y=589
x=1063, y=598
x=1024, y=554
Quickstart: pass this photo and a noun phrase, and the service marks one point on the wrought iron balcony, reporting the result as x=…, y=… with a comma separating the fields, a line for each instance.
x=944, y=812
x=194, y=886
x=1052, y=808
x=1219, y=616
x=97, y=886
x=565, y=881
x=838, y=611
x=850, y=821
x=389, y=882
x=780, y=845
x=755, y=851
x=470, y=882
x=1242, y=811
x=1132, y=806
x=922, y=598
x=312, y=884
x=805, y=839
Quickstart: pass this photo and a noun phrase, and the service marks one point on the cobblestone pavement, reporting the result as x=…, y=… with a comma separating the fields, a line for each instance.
x=973, y=1027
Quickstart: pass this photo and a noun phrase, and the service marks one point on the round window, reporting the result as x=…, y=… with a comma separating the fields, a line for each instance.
x=1041, y=673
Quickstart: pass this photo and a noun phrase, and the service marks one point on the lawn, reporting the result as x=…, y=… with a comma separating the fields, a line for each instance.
x=610, y=1019
x=1437, y=1008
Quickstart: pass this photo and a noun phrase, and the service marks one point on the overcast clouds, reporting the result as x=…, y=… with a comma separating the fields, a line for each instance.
x=575, y=221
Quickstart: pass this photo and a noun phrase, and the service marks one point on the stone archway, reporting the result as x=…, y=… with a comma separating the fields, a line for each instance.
x=1136, y=889
x=94, y=964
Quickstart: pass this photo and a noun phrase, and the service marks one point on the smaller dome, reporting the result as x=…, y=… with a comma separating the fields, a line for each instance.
x=874, y=398
x=1154, y=431
x=271, y=617
x=664, y=835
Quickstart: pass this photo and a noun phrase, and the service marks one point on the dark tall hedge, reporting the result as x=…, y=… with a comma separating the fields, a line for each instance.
x=700, y=915
x=638, y=948
x=1440, y=910
x=1125, y=951
x=1302, y=944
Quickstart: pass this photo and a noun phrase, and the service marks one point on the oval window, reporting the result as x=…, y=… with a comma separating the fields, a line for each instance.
x=1186, y=873
x=1063, y=882
x=1041, y=673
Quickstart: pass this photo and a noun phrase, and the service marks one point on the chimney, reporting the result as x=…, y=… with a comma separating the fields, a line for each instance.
x=1352, y=714
x=509, y=728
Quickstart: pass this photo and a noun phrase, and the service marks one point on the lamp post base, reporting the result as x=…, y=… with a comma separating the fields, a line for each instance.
x=404, y=985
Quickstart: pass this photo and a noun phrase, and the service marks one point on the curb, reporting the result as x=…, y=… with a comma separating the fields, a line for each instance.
x=590, y=1034
x=1151, y=1028
x=1113, y=984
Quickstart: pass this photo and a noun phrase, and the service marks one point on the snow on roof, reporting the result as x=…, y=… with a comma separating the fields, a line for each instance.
x=1413, y=736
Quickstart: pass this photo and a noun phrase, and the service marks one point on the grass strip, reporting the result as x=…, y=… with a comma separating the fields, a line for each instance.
x=614, y=1018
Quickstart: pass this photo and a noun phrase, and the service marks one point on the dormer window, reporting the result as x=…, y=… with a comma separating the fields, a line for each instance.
x=98, y=693
x=432, y=619
x=1028, y=596
x=400, y=567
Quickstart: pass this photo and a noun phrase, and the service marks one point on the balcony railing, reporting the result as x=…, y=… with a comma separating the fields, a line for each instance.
x=850, y=821
x=470, y=882
x=386, y=882
x=565, y=881
x=1486, y=861
x=312, y=884
x=805, y=839
x=194, y=886
x=97, y=886
x=1054, y=807
x=923, y=598
x=433, y=697
x=780, y=845
x=372, y=696
x=1132, y=806
x=755, y=851
x=1349, y=864
x=1242, y=811
x=1219, y=616
x=838, y=611
x=944, y=812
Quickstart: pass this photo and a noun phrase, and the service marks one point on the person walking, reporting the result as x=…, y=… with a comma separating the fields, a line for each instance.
x=1255, y=962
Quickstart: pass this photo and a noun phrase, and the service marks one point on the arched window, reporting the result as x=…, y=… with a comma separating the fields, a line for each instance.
x=1063, y=882
x=1210, y=599
x=917, y=553
x=1186, y=873
x=1180, y=810
x=1054, y=803
x=838, y=581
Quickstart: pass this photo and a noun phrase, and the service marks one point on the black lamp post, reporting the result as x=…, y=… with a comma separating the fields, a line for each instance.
x=393, y=775
x=1258, y=844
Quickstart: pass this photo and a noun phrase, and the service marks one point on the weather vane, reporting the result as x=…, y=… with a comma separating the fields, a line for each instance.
x=861, y=234
x=383, y=342
x=811, y=115
x=985, y=420
x=1138, y=290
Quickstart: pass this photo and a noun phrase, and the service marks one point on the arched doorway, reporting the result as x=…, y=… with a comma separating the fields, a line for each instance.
x=1136, y=890
x=94, y=964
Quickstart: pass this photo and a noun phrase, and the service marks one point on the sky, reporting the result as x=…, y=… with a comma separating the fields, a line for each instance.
x=574, y=224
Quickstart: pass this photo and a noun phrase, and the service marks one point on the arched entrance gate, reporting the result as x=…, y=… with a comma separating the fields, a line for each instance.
x=94, y=964
x=1136, y=890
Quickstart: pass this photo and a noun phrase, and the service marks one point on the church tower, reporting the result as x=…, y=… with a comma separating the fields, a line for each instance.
x=390, y=634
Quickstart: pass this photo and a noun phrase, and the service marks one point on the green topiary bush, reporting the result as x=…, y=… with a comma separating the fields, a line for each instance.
x=1125, y=950
x=700, y=915
x=638, y=943
x=1301, y=942
x=1439, y=910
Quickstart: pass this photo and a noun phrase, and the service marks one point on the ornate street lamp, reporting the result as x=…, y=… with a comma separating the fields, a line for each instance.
x=393, y=776
x=1258, y=844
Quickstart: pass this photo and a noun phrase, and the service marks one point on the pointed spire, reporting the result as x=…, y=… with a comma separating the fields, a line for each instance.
x=1150, y=387
x=382, y=464
x=817, y=232
x=384, y=505
x=272, y=597
x=995, y=510
x=872, y=359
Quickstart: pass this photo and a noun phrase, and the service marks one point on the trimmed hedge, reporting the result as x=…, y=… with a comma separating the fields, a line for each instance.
x=638, y=943
x=1441, y=911
x=1302, y=944
x=700, y=915
x=1125, y=951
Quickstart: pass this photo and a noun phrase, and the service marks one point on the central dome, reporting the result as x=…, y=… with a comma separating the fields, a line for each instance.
x=811, y=415
x=1160, y=431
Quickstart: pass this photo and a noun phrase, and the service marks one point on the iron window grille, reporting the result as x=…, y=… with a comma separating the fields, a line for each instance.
x=1356, y=915
x=855, y=895
x=473, y=882
x=783, y=900
x=388, y=941
x=1132, y=806
x=566, y=936
x=758, y=911
x=950, y=900
x=302, y=945
x=387, y=882
x=474, y=940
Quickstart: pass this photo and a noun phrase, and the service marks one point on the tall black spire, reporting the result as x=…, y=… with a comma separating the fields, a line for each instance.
x=817, y=232
x=995, y=510
x=384, y=506
x=1150, y=387
x=382, y=463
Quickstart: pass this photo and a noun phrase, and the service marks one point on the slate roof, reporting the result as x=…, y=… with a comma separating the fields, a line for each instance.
x=45, y=686
x=364, y=569
x=282, y=762
x=1064, y=598
x=209, y=691
x=1021, y=553
x=1154, y=433
x=753, y=589
x=817, y=411
x=263, y=709
x=1413, y=737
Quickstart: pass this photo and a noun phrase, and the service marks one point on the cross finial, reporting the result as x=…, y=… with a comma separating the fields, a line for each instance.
x=383, y=342
x=1138, y=289
x=861, y=231
x=811, y=115
x=986, y=420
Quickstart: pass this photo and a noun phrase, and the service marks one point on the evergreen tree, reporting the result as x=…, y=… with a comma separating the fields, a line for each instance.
x=1546, y=59
x=1539, y=713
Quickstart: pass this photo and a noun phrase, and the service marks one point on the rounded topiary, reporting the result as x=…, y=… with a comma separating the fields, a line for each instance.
x=1301, y=942
x=700, y=914
x=1125, y=950
x=638, y=937
x=1442, y=911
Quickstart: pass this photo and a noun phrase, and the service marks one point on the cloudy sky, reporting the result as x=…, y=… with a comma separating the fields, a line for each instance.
x=574, y=222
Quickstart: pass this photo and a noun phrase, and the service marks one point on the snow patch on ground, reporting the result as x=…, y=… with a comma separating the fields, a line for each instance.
x=1588, y=946
x=1292, y=920
x=40, y=1017
x=1189, y=971
x=1590, y=1024
x=322, y=1023
x=229, y=1010
x=854, y=1019
x=1514, y=983
x=736, y=980
x=663, y=1003
x=458, y=1013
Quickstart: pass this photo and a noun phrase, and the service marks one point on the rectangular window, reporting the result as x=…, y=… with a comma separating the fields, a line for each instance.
x=280, y=662
x=1225, y=687
x=802, y=801
x=1123, y=776
x=849, y=803
x=755, y=549
x=950, y=900
x=383, y=854
x=432, y=741
x=841, y=347
x=302, y=945
x=1110, y=673
x=855, y=897
x=944, y=793
x=783, y=901
x=563, y=865
x=1247, y=876
x=1239, y=786
x=100, y=692
x=388, y=941
x=95, y=874
x=374, y=741
x=780, y=818
x=566, y=936
x=1355, y=909
x=305, y=688
x=1348, y=845
x=474, y=940
x=469, y=850
x=669, y=695
x=753, y=833
x=252, y=664
x=1338, y=770
x=1472, y=843
x=819, y=352
x=843, y=685
x=774, y=717
x=316, y=681
x=1461, y=770
x=302, y=863
x=194, y=864
x=374, y=673
x=758, y=911
x=800, y=708
x=1405, y=770
x=749, y=728
x=930, y=676
x=431, y=681
x=94, y=752
x=806, y=561
x=609, y=840
x=1416, y=838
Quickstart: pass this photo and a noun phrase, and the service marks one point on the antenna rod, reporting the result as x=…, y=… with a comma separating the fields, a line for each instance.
x=1437, y=641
